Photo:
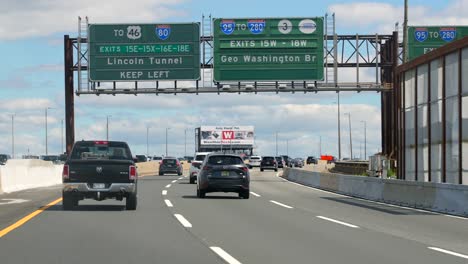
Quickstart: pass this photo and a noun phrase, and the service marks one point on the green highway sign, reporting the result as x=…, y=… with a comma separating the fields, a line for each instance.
x=144, y=52
x=269, y=49
x=423, y=39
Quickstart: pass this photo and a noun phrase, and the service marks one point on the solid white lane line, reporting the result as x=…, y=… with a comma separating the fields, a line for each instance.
x=164, y=192
x=168, y=186
x=168, y=203
x=457, y=217
x=180, y=178
x=280, y=204
x=174, y=181
x=255, y=194
x=449, y=252
x=338, y=222
x=224, y=255
x=182, y=220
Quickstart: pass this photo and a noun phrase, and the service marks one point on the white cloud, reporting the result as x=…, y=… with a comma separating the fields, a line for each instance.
x=15, y=105
x=34, y=18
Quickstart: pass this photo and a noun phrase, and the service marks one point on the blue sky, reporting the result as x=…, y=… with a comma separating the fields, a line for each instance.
x=31, y=76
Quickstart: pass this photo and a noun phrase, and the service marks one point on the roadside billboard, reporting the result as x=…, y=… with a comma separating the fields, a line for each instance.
x=227, y=135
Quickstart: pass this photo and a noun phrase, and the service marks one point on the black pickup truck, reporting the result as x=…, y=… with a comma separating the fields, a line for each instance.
x=99, y=170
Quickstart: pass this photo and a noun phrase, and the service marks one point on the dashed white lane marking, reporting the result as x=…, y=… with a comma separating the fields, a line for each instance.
x=338, y=222
x=449, y=252
x=168, y=203
x=281, y=204
x=174, y=181
x=168, y=186
x=183, y=221
x=180, y=178
x=255, y=194
x=164, y=192
x=224, y=255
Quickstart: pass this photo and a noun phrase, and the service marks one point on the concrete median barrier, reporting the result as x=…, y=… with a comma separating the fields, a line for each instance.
x=19, y=175
x=437, y=197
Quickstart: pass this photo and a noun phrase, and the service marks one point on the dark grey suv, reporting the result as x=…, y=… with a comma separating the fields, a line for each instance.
x=223, y=173
x=170, y=165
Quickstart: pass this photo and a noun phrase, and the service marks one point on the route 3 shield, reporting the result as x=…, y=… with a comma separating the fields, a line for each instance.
x=163, y=31
x=421, y=34
x=256, y=26
x=227, y=26
x=448, y=34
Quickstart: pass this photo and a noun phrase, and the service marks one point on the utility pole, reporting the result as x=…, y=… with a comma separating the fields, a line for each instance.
x=61, y=126
x=405, y=33
x=350, y=136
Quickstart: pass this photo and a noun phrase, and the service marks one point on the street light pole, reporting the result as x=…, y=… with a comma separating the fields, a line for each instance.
x=61, y=126
x=107, y=127
x=320, y=146
x=13, y=136
x=365, y=139
x=147, y=140
x=276, y=143
x=350, y=136
x=167, y=128
x=339, y=129
x=46, y=137
x=287, y=147
x=185, y=142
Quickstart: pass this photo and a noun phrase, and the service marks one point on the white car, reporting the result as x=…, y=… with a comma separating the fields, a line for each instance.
x=255, y=161
x=195, y=165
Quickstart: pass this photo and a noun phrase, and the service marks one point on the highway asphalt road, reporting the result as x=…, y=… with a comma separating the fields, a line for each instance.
x=282, y=222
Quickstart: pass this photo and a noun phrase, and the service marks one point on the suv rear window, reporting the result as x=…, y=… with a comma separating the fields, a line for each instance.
x=255, y=158
x=268, y=159
x=169, y=161
x=225, y=160
x=200, y=157
x=98, y=150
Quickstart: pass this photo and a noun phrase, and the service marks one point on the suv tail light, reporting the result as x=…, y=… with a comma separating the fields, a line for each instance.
x=207, y=168
x=66, y=172
x=245, y=169
x=178, y=163
x=132, y=173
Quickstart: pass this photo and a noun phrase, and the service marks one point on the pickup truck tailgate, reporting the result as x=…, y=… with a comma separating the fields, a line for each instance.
x=100, y=171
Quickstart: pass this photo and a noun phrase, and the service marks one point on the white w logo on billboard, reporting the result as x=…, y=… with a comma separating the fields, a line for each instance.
x=228, y=135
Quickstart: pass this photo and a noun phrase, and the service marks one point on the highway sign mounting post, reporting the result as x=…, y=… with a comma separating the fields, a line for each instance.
x=270, y=49
x=144, y=52
x=423, y=39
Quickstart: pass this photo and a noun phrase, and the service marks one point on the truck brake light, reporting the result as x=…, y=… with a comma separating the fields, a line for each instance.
x=66, y=172
x=132, y=173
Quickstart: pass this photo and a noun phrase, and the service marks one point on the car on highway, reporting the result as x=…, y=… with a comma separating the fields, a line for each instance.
x=223, y=173
x=255, y=161
x=268, y=163
x=286, y=159
x=52, y=158
x=195, y=165
x=170, y=165
x=311, y=160
x=157, y=158
x=299, y=163
x=99, y=170
x=4, y=158
x=141, y=158
x=280, y=161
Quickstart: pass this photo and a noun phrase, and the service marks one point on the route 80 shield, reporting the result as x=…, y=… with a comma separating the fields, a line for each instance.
x=421, y=34
x=448, y=34
x=256, y=26
x=163, y=31
x=227, y=26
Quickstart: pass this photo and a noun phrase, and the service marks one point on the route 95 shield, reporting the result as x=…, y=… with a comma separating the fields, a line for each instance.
x=163, y=31
x=227, y=26
x=256, y=26
x=421, y=34
x=448, y=34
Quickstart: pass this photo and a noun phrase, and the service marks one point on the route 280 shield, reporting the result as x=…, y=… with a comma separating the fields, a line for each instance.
x=163, y=31
x=227, y=26
x=448, y=34
x=421, y=34
x=256, y=26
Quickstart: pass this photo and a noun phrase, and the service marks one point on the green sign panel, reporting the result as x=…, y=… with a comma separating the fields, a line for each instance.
x=422, y=39
x=270, y=49
x=144, y=52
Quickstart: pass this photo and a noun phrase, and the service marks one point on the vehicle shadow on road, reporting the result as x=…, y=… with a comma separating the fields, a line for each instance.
x=211, y=197
x=377, y=207
x=90, y=208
